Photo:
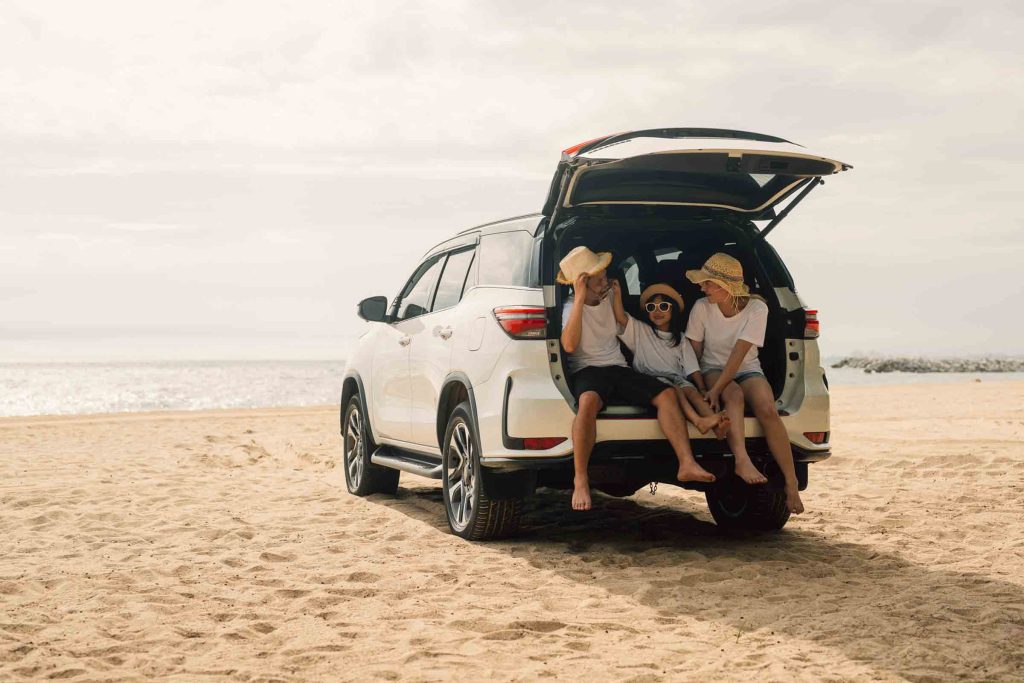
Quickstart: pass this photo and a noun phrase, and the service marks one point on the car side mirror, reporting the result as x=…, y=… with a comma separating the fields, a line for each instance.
x=374, y=309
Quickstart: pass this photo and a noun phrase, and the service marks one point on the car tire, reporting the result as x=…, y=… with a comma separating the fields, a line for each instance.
x=362, y=477
x=740, y=507
x=472, y=514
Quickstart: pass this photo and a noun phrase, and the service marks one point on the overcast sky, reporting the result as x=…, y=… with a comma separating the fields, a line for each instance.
x=227, y=179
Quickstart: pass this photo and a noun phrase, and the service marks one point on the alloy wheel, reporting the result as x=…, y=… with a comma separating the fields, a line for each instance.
x=462, y=477
x=354, y=449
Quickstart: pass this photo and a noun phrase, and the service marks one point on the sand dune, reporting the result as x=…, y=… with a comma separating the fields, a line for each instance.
x=221, y=545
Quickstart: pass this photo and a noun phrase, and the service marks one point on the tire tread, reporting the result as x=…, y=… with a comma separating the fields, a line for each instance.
x=493, y=518
x=765, y=510
x=376, y=479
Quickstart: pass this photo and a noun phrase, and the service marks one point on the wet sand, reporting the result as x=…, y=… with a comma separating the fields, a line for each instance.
x=222, y=545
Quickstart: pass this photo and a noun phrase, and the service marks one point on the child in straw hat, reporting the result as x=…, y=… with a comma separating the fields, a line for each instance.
x=659, y=350
x=598, y=371
x=726, y=327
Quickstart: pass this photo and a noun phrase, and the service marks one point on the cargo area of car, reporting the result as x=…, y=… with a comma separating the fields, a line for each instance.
x=651, y=245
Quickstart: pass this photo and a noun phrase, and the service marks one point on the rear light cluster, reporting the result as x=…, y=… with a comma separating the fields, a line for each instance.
x=522, y=322
x=817, y=437
x=812, y=327
x=542, y=443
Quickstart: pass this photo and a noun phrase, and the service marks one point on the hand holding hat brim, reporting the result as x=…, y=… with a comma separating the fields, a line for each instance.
x=601, y=263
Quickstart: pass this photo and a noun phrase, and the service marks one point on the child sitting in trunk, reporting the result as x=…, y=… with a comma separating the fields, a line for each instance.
x=659, y=349
x=599, y=371
x=726, y=328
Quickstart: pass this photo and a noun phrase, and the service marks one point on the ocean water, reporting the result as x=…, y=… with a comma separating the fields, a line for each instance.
x=70, y=388
x=65, y=388
x=843, y=377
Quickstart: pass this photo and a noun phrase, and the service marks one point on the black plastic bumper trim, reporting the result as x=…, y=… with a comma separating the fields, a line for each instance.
x=534, y=462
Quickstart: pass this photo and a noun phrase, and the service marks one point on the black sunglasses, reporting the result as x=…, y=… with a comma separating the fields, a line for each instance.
x=660, y=306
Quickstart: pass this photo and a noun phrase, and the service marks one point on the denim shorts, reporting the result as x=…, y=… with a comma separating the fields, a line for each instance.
x=676, y=382
x=740, y=377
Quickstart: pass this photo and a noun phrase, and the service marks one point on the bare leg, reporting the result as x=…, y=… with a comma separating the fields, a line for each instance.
x=742, y=465
x=584, y=434
x=702, y=408
x=670, y=419
x=703, y=423
x=759, y=394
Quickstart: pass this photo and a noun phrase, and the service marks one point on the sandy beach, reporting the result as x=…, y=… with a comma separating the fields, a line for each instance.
x=222, y=545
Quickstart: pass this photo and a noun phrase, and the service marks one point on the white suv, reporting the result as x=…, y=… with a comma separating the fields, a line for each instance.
x=462, y=377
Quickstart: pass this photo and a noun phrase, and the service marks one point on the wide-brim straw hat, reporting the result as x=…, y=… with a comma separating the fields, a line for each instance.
x=581, y=260
x=723, y=270
x=664, y=290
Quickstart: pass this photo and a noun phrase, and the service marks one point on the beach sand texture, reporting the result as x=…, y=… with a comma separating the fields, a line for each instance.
x=222, y=545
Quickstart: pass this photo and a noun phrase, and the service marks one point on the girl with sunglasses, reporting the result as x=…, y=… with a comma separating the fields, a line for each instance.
x=659, y=349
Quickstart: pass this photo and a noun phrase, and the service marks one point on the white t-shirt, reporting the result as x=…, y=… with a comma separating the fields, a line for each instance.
x=599, y=344
x=653, y=353
x=720, y=334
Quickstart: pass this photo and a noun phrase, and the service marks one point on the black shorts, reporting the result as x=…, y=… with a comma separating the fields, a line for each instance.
x=617, y=381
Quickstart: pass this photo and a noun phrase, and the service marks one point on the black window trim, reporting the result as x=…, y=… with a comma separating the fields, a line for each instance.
x=420, y=270
x=462, y=291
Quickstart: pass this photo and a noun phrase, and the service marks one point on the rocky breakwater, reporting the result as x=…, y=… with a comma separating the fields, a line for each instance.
x=908, y=364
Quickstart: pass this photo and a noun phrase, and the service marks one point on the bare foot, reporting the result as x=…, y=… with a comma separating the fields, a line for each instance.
x=793, y=502
x=746, y=471
x=581, y=495
x=693, y=472
x=704, y=424
x=722, y=428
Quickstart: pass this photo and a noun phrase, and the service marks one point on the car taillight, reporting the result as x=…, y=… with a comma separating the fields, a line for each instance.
x=522, y=322
x=817, y=437
x=812, y=327
x=543, y=443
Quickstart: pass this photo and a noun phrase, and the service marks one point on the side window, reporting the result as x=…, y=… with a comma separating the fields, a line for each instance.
x=416, y=296
x=505, y=258
x=631, y=275
x=449, y=287
x=667, y=254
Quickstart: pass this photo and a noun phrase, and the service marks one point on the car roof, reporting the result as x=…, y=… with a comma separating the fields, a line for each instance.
x=499, y=226
x=469, y=235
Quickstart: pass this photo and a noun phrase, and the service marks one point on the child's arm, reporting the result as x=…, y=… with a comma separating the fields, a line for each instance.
x=698, y=347
x=729, y=371
x=690, y=364
x=697, y=380
x=572, y=329
x=621, y=317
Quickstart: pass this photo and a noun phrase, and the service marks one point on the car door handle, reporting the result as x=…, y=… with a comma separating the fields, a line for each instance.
x=444, y=333
x=404, y=341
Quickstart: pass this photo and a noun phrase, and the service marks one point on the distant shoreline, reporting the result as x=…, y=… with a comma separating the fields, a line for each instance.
x=921, y=365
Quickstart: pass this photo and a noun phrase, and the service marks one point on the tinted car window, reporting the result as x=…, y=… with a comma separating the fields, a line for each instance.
x=416, y=297
x=631, y=275
x=505, y=259
x=449, y=287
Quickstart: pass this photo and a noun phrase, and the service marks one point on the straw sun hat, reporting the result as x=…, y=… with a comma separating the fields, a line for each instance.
x=581, y=260
x=662, y=290
x=724, y=271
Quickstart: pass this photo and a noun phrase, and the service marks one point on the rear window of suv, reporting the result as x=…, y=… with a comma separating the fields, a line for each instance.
x=505, y=258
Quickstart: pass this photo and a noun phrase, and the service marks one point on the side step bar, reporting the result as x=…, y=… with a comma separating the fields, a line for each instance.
x=414, y=463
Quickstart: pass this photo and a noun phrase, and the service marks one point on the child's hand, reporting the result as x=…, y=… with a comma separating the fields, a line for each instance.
x=713, y=398
x=580, y=286
x=616, y=289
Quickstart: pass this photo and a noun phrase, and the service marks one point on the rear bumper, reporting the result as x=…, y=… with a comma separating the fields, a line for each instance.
x=626, y=451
